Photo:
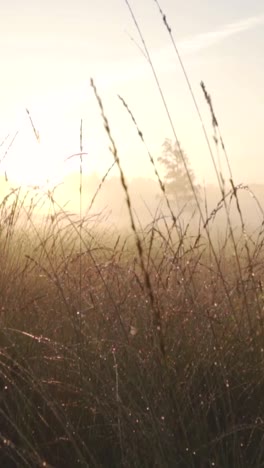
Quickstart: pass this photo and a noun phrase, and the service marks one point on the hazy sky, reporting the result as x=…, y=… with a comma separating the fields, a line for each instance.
x=49, y=50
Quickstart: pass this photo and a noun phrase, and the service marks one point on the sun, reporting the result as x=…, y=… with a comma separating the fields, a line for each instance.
x=33, y=165
x=32, y=162
x=47, y=148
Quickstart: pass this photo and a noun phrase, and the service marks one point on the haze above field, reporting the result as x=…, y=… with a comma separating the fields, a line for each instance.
x=49, y=51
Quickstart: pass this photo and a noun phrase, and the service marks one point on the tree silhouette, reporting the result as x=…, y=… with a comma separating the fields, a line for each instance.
x=177, y=178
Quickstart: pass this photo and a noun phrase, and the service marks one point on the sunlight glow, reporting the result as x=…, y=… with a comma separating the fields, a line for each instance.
x=31, y=162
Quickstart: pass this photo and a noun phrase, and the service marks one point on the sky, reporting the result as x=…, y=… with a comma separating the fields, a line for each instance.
x=50, y=50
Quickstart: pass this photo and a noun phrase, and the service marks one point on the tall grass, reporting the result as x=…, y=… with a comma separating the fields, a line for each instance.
x=139, y=350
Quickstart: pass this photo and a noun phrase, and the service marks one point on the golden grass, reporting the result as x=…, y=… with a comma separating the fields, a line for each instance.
x=135, y=351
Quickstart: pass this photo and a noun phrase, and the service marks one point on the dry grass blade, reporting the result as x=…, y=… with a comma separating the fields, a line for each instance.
x=36, y=133
x=140, y=134
x=164, y=19
x=157, y=323
x=9, y=147
x=100, y=186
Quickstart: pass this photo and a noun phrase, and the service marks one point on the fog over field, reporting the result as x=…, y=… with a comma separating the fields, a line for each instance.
x=109, y=201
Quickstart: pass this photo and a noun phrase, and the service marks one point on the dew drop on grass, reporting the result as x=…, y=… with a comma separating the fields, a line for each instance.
x=133, y=330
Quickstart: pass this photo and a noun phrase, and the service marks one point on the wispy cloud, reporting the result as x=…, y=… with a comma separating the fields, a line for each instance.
x=164, y=57
x=208, y=39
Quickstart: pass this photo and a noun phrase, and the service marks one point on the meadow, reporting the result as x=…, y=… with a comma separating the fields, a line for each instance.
x=134, y=348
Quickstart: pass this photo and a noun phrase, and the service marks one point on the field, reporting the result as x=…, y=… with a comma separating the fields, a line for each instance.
x=134, y=348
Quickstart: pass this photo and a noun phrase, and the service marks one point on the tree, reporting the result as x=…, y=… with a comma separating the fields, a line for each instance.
x=177, y=178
